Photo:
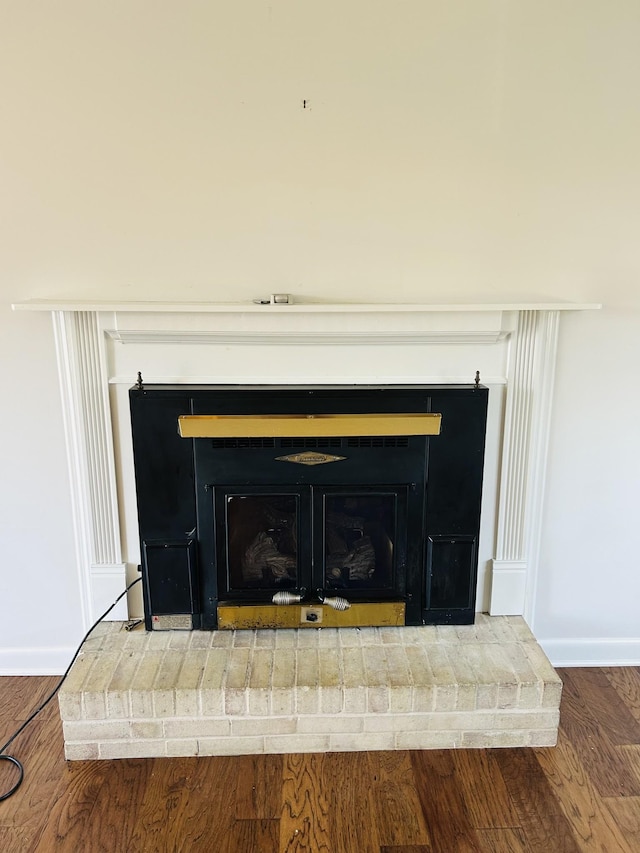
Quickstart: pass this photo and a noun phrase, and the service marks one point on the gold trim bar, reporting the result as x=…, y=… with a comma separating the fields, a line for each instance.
x=364, y=614
x=294, y=426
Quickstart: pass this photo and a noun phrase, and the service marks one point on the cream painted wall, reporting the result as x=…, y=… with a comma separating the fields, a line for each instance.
x=39, y=588
x=589, y=584
x=470, y=150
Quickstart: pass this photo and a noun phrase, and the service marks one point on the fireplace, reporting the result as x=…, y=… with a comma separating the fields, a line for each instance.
x=212, y=692
x=101, y=345
x=308, y=506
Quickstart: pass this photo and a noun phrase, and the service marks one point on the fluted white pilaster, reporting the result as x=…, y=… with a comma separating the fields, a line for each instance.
x=84, y=389
x=527, y=417
x=548, y=326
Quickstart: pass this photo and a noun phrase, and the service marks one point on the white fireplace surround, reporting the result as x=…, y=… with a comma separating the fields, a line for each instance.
x=101, y=346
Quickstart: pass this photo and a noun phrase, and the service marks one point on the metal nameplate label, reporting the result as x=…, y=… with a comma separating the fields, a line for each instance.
x=310, y=458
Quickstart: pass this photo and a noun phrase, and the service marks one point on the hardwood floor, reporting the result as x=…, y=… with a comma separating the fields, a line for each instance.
x=583, y=795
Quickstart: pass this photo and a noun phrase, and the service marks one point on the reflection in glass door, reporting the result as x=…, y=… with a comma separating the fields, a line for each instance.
x=262, y=541
x=360, y=533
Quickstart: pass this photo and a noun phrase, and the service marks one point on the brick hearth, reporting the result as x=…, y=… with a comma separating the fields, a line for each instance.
x=142, y=694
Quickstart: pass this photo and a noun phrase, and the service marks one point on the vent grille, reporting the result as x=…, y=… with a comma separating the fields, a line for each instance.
x=379, y=441
x=243, y=442
x=310, y=443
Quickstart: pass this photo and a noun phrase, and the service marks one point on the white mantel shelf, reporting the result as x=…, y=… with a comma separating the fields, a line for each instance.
x=293, y=308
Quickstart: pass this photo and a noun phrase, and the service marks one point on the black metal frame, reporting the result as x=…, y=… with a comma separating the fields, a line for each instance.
x=181, y=485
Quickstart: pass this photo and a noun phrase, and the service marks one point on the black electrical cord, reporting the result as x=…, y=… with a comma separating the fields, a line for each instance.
x=10, y=758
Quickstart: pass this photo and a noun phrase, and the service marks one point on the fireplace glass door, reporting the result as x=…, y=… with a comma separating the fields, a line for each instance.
x=262, y=535
x=314, y=541
x=361, y=541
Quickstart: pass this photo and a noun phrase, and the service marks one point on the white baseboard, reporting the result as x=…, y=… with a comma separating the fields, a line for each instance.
x=602, y=651
x=49, y=661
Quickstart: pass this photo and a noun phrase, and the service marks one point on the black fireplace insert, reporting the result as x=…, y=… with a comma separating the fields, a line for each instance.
x=234, y=523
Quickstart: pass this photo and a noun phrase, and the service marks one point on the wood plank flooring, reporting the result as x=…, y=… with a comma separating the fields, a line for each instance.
x=583, y=795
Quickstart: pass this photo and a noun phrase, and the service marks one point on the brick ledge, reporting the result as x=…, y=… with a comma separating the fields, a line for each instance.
x=173, y=693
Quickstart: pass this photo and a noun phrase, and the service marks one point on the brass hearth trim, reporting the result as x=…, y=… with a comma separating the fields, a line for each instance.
x=359, y=615
x=305, y=426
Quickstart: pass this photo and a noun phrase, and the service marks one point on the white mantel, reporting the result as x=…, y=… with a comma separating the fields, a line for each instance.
x=141, y=307
x=101, y=345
